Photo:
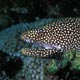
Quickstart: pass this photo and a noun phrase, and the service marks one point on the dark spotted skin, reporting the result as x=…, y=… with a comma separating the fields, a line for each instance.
x=63, y=32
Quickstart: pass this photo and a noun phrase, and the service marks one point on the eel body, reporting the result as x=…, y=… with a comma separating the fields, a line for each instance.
x=62, y=34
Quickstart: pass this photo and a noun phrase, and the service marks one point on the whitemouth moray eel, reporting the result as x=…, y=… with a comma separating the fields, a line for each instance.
x=62, y=34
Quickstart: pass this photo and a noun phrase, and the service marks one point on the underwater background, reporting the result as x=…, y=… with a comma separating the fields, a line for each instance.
x=18, y=16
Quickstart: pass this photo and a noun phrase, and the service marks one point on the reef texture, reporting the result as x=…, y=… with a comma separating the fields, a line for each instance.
x=32, y=69
x=11, y=44
x=67, y=69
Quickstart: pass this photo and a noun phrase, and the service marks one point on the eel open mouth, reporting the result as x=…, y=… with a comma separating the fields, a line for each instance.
x=44, y=45
x=46, y=50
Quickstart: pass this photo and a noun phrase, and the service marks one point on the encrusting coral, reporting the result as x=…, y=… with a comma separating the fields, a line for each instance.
x=67, y=68
x=11, y=44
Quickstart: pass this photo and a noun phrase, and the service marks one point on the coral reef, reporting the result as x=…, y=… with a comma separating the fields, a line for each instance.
x=12, y=45
x=12, y=42
x=13, y=15
x=33, y=68
x=67, y=68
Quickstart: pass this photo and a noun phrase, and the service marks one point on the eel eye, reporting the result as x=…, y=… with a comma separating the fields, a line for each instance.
x=41, y=35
